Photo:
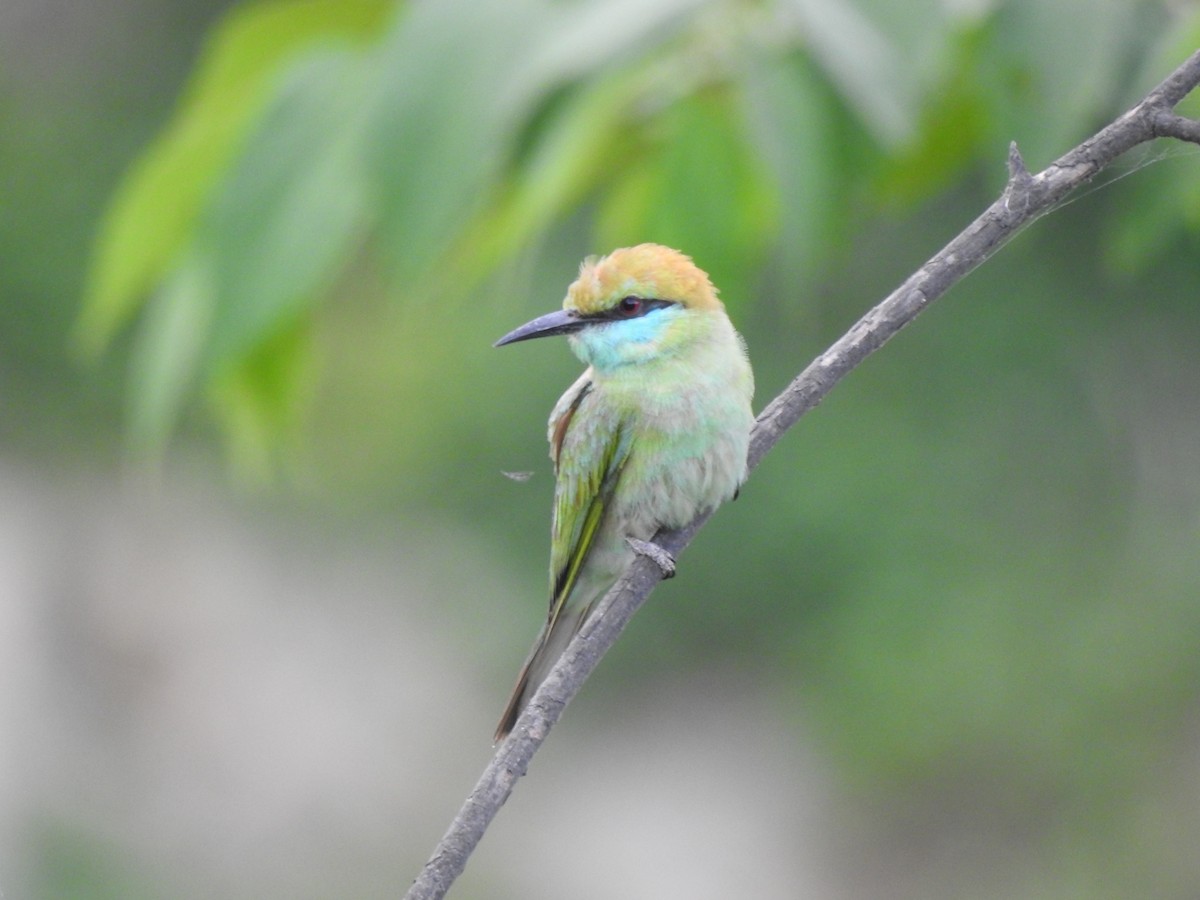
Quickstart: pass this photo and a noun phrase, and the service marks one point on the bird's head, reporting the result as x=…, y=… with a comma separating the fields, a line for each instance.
x=634, y=305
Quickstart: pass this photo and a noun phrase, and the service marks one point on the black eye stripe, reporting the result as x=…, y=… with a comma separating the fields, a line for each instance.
x=631, y=307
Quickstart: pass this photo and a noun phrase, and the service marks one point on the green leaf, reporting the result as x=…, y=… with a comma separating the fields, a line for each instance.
x=167, y=351
x=440, y=123
x=865, y=65
x=291, y=209
x=273, y=238
x=950, y=131
x=583, y=38
x=791, y=122
x=1051, y=69
x=460, y=81
x=260, y=402
x=582, y=141
x=150, y=220
x=672, y=197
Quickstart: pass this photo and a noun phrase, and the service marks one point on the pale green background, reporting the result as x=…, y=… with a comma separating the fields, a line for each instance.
x=945, y=644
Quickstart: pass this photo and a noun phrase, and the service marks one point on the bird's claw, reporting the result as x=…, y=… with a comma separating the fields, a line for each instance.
x=664, y=560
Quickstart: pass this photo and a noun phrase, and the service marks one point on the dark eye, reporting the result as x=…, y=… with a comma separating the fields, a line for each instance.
x=630, y=306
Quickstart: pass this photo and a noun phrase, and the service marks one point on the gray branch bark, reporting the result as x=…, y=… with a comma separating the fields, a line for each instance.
x=1025, y=198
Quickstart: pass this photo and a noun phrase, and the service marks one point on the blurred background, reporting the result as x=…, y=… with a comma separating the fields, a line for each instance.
x=264, y=587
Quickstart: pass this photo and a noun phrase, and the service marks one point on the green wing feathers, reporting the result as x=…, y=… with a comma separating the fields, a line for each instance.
x=589, y=464
x=590, y=446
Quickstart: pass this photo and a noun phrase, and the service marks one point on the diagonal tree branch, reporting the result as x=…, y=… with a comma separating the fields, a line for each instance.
x=1025, y=198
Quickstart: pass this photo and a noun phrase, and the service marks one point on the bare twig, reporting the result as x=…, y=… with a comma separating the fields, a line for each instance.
x=1025, y=198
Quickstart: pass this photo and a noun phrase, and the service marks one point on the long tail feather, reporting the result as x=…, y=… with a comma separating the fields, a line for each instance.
x=548, y=647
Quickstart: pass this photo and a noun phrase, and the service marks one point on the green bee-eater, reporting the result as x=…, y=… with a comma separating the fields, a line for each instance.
x=652, y=433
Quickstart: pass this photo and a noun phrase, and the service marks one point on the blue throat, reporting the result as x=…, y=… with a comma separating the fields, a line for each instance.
x=610, y=345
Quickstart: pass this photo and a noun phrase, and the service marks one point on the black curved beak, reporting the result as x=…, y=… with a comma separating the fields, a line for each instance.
x=558, y=322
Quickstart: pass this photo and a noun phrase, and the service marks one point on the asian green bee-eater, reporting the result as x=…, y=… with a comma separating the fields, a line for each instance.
x=655, y=431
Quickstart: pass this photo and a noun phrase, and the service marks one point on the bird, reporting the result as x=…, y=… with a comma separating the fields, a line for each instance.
x=654, y=432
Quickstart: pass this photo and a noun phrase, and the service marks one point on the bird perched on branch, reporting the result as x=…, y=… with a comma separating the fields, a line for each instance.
x=655, y=431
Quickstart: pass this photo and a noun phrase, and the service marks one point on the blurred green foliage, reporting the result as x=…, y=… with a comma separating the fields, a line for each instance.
x=447, y=137
x=975, y=565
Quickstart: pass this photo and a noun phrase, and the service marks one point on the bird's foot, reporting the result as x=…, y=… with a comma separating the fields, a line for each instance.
x=664, y=560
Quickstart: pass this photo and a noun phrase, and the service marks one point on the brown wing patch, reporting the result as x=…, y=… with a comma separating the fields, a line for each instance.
x=564, y=422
